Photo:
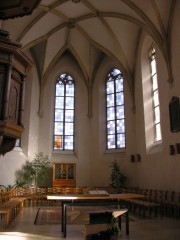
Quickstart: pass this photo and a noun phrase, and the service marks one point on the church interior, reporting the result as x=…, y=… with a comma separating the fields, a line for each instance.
x=88, y=83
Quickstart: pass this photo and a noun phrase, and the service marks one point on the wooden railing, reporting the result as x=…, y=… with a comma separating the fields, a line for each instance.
x=163, y=202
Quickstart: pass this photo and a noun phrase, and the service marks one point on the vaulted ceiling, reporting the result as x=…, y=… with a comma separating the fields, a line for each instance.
x=89, y=30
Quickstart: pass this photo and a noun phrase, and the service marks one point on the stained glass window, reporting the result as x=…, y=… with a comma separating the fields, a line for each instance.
x=64, y=113
x=115, y=117
x=155, y=96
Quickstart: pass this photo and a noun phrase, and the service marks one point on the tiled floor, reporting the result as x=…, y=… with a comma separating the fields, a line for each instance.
x=23, y=228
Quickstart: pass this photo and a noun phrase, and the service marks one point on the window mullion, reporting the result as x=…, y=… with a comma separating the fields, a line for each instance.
x=63, y=113
x=64, y=122
x=115, y=110
x=155, y=91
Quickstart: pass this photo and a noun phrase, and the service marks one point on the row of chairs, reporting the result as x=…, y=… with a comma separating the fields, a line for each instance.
x=162, y=202
x=38, y=196
x=157, y=202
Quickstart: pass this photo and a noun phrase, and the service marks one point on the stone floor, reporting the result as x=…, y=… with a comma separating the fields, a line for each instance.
x=23, y=228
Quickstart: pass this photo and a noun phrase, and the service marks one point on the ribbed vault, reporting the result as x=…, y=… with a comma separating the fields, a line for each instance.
x=90, y=30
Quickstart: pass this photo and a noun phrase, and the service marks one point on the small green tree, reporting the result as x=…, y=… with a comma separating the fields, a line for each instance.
x=117, y=178
x=114, y=229
x=34, y=172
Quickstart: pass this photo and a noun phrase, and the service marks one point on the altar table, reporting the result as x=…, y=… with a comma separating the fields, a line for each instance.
x=91, y=200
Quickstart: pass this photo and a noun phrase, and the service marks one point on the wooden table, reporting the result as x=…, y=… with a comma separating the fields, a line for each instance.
x=91, y=200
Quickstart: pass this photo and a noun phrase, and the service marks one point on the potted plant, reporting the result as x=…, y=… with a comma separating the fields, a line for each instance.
x=114, y=230
x=117, y=178
x=34, y=172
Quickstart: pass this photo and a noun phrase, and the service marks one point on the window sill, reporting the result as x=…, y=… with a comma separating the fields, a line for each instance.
x=18, y=149
x=122, y=150
x=156, y=147
x=66, y=152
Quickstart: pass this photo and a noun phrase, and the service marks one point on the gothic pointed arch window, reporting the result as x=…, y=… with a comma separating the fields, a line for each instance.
x=155, y=96
x=115, y=116
x=64, y=113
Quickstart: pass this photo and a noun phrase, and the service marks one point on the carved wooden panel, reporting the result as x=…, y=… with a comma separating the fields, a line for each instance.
x=2, y=76
x=14, y=65
x=13, y=111
x=64, y=174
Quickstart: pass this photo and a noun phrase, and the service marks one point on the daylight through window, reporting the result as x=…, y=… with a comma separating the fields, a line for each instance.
x=155, y=96
x=64, y=113
x=115, y=117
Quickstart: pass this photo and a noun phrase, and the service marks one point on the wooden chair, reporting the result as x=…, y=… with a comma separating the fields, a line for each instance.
x=146, y=205
x=5, y=216
x=174, y=205
x=69, y=190
x=166, y=202
x=79, y=190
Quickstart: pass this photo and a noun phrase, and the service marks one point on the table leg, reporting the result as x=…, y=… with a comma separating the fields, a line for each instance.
x=62, y=214
x=119, y=222
x=127, y=223
x=64, y=220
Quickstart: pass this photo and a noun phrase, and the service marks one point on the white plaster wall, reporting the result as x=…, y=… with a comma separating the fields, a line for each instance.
x=82, y=153
x=9, y=164
x=32, y=117
x=30, y=136
x=102, y=159
x=93, y=162
x=158, y=169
